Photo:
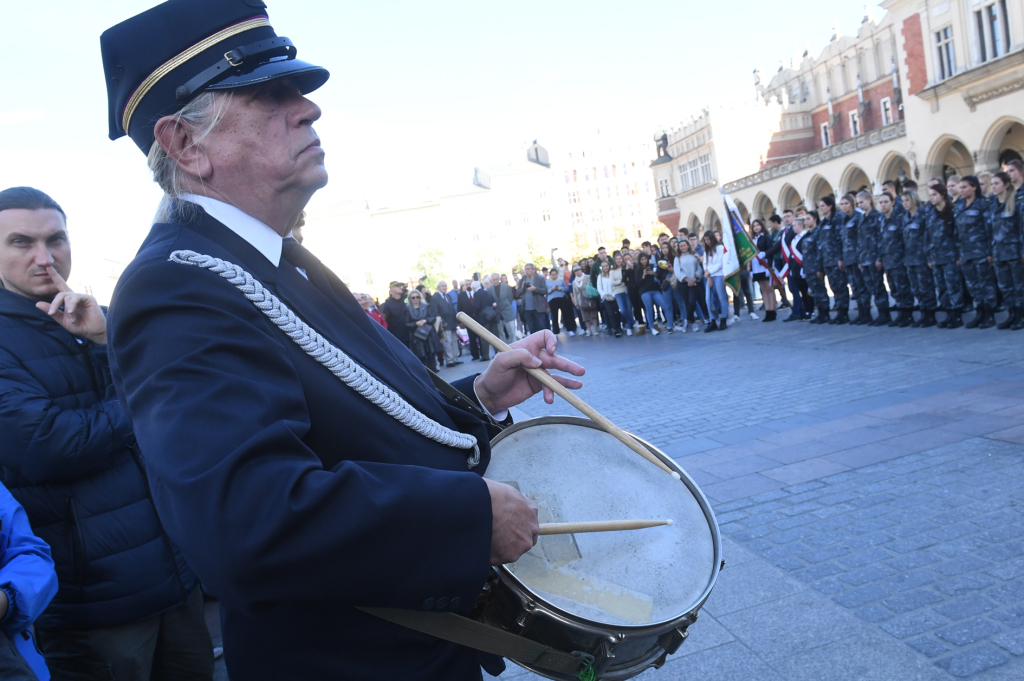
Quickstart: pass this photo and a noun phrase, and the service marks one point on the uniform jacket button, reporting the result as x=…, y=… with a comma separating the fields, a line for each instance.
x=442, y=602
x=428, y=604
x=456, y=603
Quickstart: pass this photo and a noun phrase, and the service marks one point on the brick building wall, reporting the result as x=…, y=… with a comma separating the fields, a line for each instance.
x=913, y=49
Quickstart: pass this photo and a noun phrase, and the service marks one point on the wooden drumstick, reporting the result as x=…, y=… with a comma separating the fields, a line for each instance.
x=600, y=526
x=567, y=395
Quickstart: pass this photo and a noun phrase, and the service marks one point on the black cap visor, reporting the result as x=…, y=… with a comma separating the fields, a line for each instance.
x=306, y=76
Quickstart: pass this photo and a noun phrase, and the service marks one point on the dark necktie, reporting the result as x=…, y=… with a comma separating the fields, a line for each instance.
x=294, y=253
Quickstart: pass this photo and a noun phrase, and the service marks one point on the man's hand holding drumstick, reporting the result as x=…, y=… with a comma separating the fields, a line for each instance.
x=504, y=384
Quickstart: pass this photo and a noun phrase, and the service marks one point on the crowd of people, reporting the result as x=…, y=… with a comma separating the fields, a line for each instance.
x=956, y=250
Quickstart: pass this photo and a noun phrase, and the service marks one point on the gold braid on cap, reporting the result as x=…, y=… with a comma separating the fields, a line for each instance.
x=190, y=53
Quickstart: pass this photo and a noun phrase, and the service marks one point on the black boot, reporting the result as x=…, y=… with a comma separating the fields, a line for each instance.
x=769, y=316
x=917, y=324
x=899, y=318
x=1010, y=319
x=1018, y=324
x=928, y=319
x=863, y=318
x=988, y=317
x=979, y=315
x=945, y=322
x=955, y=320
x=842, y=317
x=884, y=318
x=822, y=317
x=906, y=319
x=713, y=326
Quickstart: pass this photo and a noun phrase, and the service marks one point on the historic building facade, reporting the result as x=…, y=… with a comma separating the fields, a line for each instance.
x=936, y=87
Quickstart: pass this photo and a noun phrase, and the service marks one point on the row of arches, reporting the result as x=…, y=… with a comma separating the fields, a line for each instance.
x=948, y=156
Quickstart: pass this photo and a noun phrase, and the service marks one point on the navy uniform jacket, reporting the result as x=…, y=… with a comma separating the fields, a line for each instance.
x=891, y=248
x=971, y=228
x=849, y=229
x=830, y=245
x=914, y=239
x=291, y=496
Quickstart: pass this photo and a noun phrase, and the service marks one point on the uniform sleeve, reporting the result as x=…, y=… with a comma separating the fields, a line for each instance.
x=220, y=414
x=26, y=569
x=45, y=443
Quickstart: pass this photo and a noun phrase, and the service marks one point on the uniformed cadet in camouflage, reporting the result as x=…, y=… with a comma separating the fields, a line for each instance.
x=890, y=259
x=850, y=221
x=1006, y=234
x=814, y=271
x=890, y=186
x=970, y=214
x=942, y=253
x=870, y=259
x=830, y=250
x=922, y=283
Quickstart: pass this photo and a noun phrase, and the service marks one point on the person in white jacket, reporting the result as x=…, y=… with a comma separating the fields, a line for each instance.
x=606, y=289
x=717, y=297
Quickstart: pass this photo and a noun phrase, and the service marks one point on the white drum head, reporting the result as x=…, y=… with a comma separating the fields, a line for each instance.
x=574, y=473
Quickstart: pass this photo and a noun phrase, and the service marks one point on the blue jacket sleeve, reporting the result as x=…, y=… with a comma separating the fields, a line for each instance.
x=26, y=569
x=45, y=443
x=220, y=414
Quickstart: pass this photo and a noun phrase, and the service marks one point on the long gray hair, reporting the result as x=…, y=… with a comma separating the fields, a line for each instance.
x=201, y=116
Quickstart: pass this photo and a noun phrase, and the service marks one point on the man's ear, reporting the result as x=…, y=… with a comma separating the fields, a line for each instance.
x=175, y=138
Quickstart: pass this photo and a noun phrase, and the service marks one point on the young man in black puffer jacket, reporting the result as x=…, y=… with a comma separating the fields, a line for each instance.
x=127, y=605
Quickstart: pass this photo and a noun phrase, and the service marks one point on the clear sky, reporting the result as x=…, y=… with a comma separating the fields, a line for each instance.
x=420, y=92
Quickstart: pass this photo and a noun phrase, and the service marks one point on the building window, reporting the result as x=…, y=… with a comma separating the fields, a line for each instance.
x=886, y=108
x=854, y=124
x=545, y=216
x=606, y=172
x=826, y=135
x=684, y=179
x=946, y=59
x=665, y=187
x=993, y=30
x=705, y=168
x=567, y=180
x=574, y=197
x=598, y=193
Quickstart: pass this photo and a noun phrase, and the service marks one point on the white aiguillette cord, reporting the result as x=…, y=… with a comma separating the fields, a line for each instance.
x=333, y=359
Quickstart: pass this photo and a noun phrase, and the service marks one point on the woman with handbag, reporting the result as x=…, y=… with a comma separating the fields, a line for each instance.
x=423, y=340
x=651, y=295
x=606, y=289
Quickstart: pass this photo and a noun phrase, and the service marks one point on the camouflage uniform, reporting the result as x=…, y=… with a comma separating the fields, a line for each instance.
x=809, y=248
x=1005, y=236
x=973, y=243
x=870, y=255
x=942, y=253
x=922, y=283
x=891, y=253
x=830, y=250
x=851, y=229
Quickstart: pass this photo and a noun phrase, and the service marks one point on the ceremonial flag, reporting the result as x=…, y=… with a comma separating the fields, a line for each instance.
x=738, y=249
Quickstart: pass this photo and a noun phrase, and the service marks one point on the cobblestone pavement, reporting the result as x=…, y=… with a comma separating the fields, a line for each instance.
x=869, y=484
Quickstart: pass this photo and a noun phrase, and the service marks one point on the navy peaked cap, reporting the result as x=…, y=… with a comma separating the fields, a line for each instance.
x=158, y=61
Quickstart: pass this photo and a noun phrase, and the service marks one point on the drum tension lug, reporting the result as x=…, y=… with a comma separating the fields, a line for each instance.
x=721, y=565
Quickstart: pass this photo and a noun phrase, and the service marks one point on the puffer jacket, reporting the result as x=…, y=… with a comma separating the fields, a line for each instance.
x=67, y=456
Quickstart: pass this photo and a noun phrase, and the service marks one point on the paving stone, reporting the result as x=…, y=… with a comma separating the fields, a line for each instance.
x=861, y=596
x=868, y=656
x=866, y=575
x=1011, y=617
x=873, y=613
x=865, y=557
x=913, y=624
x=1011, y=641
x=961, y=565
x=1013, y=592
x=912, y=600
x=965, y=607
x=976, y=581
x=970, y=631
x=973, y=661
x=928, y=645
x=908, y=580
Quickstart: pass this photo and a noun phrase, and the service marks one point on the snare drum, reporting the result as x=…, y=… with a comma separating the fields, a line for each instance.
x=623, y=598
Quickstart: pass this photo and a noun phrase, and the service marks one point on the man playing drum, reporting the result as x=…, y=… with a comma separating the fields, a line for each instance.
x=299, y=455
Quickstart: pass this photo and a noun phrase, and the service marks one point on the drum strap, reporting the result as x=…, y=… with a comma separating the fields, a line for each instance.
x=472, y=634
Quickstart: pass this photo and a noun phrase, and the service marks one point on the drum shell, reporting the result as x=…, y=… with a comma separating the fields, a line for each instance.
x=620, y=651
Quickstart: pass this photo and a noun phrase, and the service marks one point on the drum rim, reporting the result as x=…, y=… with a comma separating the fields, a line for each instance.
x=508, y=577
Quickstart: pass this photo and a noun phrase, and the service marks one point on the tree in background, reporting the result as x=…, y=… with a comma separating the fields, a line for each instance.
x=431, y=264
